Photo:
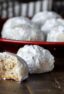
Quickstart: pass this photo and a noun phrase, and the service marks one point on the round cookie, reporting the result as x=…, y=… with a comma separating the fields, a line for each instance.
x=38, y=59
x=20, y=28
x=56, y=35
x=41, y=17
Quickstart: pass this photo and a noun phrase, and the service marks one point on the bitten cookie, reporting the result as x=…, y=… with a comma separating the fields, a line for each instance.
x=12, y=67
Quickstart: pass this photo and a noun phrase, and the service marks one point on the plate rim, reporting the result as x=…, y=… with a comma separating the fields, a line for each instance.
x=3, y=40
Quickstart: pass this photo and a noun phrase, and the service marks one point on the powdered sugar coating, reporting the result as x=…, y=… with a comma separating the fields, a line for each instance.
x=56, y=35
x=49, y=25
x=38, y=59
x=20, y=28
x=41, y=17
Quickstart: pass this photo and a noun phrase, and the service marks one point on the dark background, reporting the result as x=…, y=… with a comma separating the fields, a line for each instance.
x=58, y=6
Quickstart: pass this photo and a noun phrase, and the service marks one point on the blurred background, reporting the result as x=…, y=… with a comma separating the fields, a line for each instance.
x=10, y=8
x=58, y=6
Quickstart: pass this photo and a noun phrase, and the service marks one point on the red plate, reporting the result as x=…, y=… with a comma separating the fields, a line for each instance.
x=18, y=42
x=26, y=42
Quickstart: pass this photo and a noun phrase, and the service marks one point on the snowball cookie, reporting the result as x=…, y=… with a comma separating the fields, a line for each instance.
x=38, y=59
x=12, y=67
x=41, y=17
x=56, y=35
x=49, y=25
x=20, y=28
